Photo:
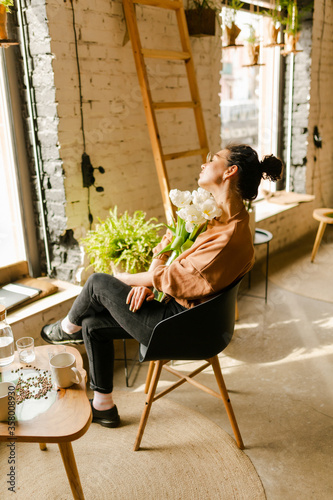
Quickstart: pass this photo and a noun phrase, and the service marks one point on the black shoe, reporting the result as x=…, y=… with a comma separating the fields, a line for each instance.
x=107, y=418
x=54, y=334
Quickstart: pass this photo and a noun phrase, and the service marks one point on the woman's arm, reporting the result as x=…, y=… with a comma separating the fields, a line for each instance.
x=138, y=279
x=155, y=263
x=144, y=278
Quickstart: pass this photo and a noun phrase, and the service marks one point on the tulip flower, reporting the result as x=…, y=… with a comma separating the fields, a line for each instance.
x=180, y=198
x=194, y=211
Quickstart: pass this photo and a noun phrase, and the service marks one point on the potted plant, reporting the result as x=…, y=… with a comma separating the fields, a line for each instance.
x=4, y=8
x=293, y=23
x=231, y=29
x=292, y=27
x=200, y=17
x=275, y=15
x=123, y=240
x=253, y=46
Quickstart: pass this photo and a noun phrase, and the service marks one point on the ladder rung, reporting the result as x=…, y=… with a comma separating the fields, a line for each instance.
x=172, y=105
x=164, y=4
x=166, y=54
x=184, y=154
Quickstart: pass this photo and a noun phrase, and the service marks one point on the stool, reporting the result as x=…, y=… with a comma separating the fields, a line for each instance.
x=324, y=216
x=262, y=236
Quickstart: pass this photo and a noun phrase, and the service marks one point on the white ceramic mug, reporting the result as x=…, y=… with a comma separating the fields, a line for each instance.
x=7, y=401
x=64, y=373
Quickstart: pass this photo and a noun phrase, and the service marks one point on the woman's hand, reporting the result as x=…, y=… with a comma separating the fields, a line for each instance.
x=137, y=296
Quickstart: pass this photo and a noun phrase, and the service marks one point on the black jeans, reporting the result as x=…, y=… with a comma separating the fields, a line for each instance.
x=102, y=312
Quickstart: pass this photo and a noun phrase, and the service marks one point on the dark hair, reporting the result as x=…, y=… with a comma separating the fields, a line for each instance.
x=251, y=170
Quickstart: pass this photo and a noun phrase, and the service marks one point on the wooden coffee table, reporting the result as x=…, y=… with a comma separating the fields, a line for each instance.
x=59, y=417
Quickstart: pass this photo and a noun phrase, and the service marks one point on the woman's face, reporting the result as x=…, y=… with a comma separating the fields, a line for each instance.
x=212, y=171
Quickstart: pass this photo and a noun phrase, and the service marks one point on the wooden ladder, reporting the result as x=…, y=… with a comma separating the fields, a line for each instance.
x=185, y=55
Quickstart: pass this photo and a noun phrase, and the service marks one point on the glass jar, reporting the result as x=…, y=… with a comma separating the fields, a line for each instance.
x=6, y=340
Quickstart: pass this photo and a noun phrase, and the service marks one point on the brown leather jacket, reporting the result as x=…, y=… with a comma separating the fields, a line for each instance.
x=219, y=256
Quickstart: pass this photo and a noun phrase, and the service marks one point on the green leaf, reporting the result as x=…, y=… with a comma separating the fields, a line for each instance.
x=188, y=243
x=198, y=229
x=166, y=249
x=7, y=4
x=177, y=242
x=127, y=240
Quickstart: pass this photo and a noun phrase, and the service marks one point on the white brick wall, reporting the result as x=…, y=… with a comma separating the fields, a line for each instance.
x=115, y=125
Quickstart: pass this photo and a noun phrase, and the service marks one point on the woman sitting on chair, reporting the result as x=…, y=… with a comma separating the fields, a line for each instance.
x=222, y=254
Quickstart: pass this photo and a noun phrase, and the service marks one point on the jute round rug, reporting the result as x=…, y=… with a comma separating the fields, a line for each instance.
x=184, y=456
x=294, y=271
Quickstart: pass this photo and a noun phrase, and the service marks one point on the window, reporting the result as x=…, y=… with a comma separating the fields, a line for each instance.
x=12, y=246
x=18, y=236
x=250, y=95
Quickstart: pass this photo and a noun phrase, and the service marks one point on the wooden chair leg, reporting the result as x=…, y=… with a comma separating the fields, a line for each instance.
x=149, y=401
x=42, y=446
x=149, y=376
x=68, y=459
x=226, y=400
x=319, y=235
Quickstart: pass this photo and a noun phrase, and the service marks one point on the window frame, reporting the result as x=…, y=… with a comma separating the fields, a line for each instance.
x=20, y=159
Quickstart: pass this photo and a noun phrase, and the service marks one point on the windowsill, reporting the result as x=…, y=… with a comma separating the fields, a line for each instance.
x=42, y=309
x=265, y=209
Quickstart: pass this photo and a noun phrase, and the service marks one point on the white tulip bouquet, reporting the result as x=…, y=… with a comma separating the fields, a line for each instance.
x=194, y=211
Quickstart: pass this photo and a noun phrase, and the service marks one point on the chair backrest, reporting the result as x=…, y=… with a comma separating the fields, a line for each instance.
x=197, y=333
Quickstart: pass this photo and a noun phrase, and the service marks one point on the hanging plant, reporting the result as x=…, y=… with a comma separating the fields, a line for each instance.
x=292, y=19
x=200, y=17
x=254, y=53
x=292, y=23
x=273, y=34
x=231, y=29
x=291, y=32
x=4, y=8
x=253, y=47
x=290, y=43
x=232, y=33
x=274, y=29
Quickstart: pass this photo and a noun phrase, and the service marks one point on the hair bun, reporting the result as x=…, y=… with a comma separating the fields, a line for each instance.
x=251, y=169
x=271, y=167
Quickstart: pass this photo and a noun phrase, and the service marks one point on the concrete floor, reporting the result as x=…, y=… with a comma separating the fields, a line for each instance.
x=278, y=370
